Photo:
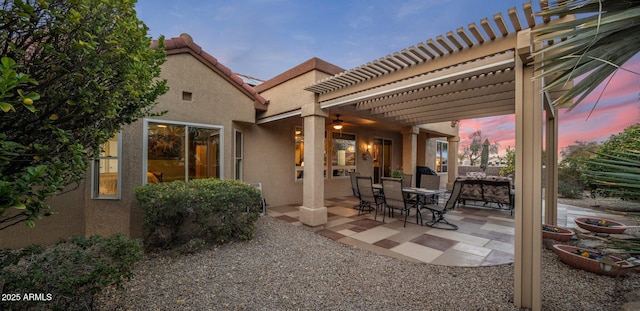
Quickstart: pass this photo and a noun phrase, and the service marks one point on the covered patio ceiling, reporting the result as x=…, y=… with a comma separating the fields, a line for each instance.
x=462, y=75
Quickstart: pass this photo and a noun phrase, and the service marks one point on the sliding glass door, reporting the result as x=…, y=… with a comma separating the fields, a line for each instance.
x=381, y=159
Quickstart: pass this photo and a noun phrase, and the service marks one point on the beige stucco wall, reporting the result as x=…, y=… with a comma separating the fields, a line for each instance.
x=290, y=95
x=270, y=159
x=443, y=128
x=214, y=102
x=68, y=221
x=269, y=151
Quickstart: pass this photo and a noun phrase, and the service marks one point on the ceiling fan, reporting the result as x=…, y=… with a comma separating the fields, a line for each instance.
x=337, y=123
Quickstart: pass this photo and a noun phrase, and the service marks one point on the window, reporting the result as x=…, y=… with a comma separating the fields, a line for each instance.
x=442, y=156
x=238, y=154
x=343, y=154
x=182, y=151
x=106, y=170
x=299, y=153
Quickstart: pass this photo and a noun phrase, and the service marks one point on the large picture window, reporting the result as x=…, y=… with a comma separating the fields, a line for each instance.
x=343, y=154
x=179, y=151
x=106, y=170
x=299, y=153
x=442, y=156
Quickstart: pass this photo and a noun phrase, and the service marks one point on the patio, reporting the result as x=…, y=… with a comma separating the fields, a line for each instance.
x=485, y=236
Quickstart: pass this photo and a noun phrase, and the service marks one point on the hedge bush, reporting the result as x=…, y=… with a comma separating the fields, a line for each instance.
x=67, y=275
x=570, y=190
x=212, y=210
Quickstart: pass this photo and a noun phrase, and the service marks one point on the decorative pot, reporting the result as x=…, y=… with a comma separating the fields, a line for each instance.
x=556, y=233
x=601, y=225
x=587, y=259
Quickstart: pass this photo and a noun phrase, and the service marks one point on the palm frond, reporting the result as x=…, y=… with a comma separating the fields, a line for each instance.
x=618, y=173
x=592, y=47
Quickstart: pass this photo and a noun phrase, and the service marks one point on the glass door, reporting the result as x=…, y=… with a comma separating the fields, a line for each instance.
x=381, y=159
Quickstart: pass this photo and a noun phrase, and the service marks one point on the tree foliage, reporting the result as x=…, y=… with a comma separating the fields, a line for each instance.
x=473, y=150
x=87, y=70
x=628, y=140
x=571, y=167
x=615, y=168
x=510, y=162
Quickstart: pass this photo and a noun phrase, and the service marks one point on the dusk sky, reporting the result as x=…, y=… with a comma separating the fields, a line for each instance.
x=263, y=38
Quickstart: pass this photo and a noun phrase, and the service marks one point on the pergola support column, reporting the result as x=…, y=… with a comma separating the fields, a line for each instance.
x=452, y=160
x=313, y=212
x=410, y=150
x=528, y=181
x=551, y=171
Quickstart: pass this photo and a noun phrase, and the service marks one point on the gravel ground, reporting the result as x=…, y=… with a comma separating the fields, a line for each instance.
x=286, y=267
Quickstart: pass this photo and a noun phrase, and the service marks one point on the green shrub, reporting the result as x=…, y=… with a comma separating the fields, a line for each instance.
x=66, y=276
x=570, y=191
x=213, y=210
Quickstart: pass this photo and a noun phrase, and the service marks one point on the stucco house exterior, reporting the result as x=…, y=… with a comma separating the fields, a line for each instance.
x=218, y=126
x=399, y=111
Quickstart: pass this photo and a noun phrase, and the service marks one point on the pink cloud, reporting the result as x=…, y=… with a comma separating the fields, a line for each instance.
x=617, y=109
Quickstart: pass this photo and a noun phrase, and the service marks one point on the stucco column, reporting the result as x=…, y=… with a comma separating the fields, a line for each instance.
x=410, y=151
x=452, y=161
x=313, y=212
x=528, y=180
x=551, y=170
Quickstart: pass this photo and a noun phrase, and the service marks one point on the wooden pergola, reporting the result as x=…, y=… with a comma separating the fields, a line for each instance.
x=483, y=70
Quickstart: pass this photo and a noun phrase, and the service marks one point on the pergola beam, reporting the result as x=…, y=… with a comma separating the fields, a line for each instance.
x=497, y=63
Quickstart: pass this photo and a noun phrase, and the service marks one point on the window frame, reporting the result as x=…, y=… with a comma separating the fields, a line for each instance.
x=95, y=172
x=145, y=144
x=298, y=175
x=238, y=166
x=346, y=168
x=444, y=161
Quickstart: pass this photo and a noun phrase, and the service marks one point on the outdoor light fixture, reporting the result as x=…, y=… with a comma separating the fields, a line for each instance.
x=606, y=263
x=454, y=123
x=366, y=153
x=337, y=123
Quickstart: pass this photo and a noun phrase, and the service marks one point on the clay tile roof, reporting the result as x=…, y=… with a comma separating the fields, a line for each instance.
x=185, y=44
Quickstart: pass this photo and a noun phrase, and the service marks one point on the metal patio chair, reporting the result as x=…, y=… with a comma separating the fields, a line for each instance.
x=368, y=197
x=395, y=199
x=354, y=188
x=438, y=211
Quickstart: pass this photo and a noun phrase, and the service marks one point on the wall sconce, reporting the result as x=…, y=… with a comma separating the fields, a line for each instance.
x=454, y=123
x=366, y=153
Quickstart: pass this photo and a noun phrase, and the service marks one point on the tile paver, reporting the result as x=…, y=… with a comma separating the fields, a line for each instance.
x=486, y=236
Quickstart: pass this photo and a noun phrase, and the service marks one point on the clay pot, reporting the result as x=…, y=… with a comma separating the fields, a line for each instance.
x=569, y=255
x=560, y=234
x=591, y=224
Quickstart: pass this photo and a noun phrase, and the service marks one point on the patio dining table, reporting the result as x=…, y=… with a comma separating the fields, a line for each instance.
x=421, y=193
x=417, y=191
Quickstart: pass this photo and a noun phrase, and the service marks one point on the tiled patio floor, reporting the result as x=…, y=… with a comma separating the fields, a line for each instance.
x=485, y=235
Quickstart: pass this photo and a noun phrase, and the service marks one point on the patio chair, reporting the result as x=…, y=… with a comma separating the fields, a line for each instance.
x=430, y=182
x=368, y=197
x=438, y=211
x=354, y=188
x=395, y=199
x=406, y=180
